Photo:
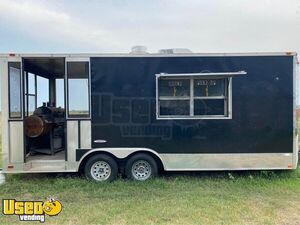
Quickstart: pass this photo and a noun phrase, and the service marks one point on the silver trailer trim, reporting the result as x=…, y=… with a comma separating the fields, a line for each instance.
x=295, y=131
x=199, y=162
x=85, y=55
x=252, y=161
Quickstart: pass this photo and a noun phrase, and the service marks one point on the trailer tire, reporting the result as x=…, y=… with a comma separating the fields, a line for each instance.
x=141, y=167
x=101, y=168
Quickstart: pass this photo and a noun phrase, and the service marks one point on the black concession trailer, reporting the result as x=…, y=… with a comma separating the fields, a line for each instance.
x=141, y=113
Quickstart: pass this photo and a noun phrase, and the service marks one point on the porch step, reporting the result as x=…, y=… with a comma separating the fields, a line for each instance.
x=45, y=166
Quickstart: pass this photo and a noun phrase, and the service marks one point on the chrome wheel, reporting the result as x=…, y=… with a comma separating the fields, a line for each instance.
x=100, y=171
x=141, y=170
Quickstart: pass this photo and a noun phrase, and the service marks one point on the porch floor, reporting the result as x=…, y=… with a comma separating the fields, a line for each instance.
x=57, y=156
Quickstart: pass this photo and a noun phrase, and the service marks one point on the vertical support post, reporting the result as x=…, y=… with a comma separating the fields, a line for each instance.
x=156, y=96
x=52, y=95
x=192, y=96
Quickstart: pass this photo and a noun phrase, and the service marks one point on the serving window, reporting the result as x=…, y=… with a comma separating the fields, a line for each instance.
x=194, y=96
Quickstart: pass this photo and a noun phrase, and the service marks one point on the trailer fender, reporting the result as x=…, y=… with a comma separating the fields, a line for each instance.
x=120, y=153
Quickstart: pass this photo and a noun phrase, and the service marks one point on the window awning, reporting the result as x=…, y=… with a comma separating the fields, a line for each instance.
x=203, y=75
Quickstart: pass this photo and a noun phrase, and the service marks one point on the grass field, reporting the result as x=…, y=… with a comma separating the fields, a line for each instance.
x=184, y=198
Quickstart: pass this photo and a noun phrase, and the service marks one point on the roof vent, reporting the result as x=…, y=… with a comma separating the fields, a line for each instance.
x=174, y=51
x=139, y=49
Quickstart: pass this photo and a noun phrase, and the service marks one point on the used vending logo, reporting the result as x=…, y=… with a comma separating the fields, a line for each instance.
x=31, y=210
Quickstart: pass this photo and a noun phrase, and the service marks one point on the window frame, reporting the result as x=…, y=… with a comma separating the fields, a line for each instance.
x=20, y=113
x=66, y=83
x=28, y=94
x=39, y=93
x=227, y=76
x=63, y=93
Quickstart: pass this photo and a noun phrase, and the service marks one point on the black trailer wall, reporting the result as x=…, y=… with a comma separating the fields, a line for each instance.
x=123, y=105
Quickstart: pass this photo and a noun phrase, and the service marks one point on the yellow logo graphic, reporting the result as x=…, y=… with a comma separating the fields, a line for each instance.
x=52, y=207
x=31, y=210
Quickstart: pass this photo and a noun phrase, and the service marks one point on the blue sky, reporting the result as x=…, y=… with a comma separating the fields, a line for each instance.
x=115, y=26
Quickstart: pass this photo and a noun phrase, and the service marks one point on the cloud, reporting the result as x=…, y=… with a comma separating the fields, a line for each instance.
x=39, y=22
x=115, y=26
